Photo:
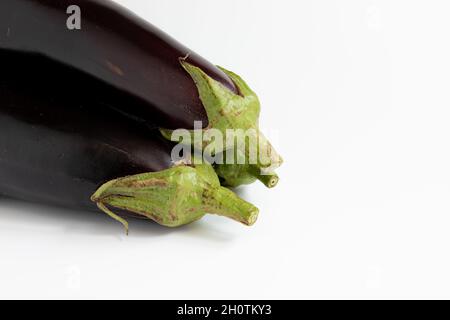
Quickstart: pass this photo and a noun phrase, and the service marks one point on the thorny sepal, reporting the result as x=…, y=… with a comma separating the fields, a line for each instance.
x=173, y=197
x=229, y=111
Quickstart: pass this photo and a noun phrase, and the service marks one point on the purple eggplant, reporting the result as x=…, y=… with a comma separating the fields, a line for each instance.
x=165, y=83
x=67, y=149
x=115, y=46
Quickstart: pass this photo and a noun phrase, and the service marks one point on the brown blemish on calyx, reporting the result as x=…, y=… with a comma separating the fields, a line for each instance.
x=147, y=183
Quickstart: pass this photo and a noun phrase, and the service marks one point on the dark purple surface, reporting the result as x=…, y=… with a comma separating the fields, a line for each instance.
x=116, y=47
x=58, y=147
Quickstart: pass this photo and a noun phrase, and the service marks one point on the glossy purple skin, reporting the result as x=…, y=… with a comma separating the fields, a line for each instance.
x=58, y=147
x=116, y=47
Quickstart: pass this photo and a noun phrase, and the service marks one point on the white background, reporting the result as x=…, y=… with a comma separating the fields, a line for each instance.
x=358, y=94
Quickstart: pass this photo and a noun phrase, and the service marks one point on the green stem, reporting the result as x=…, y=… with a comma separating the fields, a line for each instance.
x=224, y=202
x=270, y=181
x=234, y=175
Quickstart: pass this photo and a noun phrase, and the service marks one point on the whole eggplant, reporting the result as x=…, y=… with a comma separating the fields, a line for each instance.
x=169, y=85
x=63, y=148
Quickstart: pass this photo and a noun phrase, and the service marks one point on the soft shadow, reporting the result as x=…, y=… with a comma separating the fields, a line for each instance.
x=242, y=192
x=93, y=223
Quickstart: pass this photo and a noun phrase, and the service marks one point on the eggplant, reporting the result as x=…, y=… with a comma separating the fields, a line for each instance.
x=66, y=149
x=167, y=84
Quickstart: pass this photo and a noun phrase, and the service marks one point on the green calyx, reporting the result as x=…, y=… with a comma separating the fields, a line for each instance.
x=173, y=197
x=227, y=112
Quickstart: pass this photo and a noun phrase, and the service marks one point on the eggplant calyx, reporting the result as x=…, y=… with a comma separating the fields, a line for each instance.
x=173, y=197
x=231, y=113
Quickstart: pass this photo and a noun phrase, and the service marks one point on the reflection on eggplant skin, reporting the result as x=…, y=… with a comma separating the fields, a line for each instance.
x=117, y=47
x=58, y=145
